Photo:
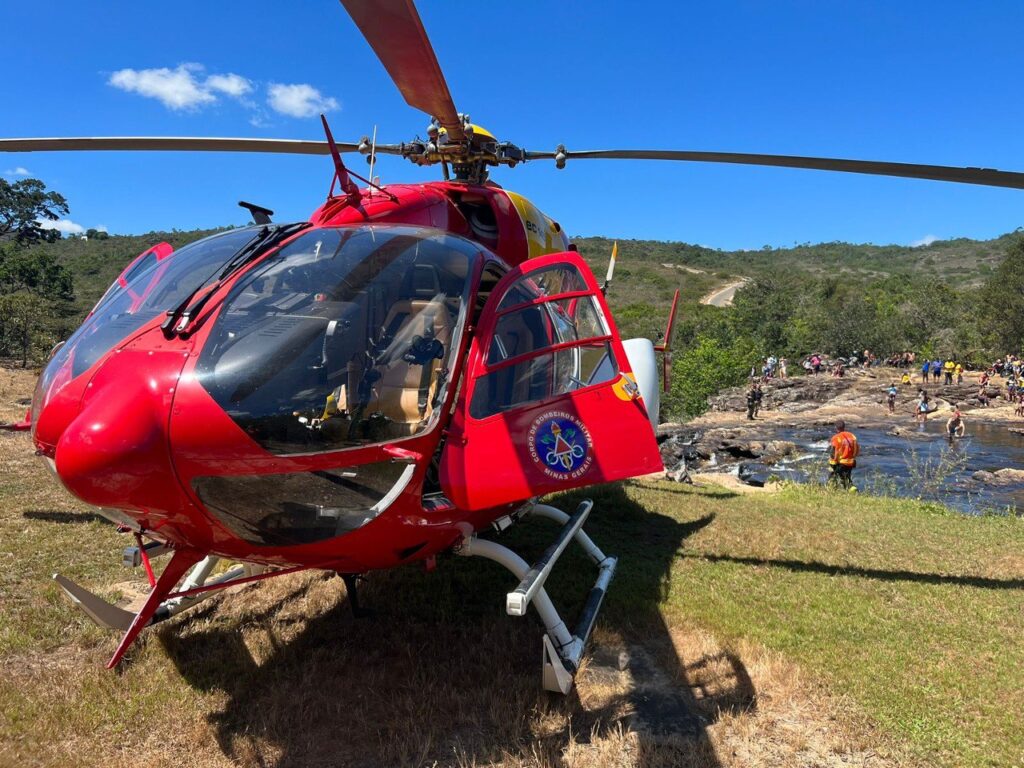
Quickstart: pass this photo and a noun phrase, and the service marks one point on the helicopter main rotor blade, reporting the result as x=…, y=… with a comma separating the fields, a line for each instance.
x=984, y=176
x=172, y=144
x=394, y=31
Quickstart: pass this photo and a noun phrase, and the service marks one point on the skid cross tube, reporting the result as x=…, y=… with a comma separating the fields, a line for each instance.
x=517, y=601
x=562, y=651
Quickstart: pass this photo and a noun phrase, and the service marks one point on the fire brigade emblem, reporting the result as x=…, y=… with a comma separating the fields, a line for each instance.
x=560, y=445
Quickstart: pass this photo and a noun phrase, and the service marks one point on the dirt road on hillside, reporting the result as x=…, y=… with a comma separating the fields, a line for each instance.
x=722, y=297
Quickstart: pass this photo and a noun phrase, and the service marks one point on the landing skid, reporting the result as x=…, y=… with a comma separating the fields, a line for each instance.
x=163, y=601
x=562, y=651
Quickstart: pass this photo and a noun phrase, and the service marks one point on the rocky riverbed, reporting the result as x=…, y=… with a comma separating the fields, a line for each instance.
x=790, y=436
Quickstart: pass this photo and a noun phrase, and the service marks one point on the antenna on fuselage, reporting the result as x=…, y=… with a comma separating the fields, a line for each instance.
x=611, y=268
x=373, y=155
x=347, y=185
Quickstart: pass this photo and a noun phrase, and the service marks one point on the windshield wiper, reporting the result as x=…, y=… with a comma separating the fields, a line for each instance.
x=178, y=319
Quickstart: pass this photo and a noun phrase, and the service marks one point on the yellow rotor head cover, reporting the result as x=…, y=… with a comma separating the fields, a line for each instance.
x=479, y=133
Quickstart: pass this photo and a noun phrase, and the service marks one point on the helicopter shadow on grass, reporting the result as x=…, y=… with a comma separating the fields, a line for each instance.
x=60, y=516
x=440, y=674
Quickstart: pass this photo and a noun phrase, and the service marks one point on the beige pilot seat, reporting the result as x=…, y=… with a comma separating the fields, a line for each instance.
x=405, y=390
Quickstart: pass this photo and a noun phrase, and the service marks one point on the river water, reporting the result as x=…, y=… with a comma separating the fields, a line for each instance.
x=920, y=463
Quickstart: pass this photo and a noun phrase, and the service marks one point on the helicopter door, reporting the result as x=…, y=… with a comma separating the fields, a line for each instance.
x=549, y=401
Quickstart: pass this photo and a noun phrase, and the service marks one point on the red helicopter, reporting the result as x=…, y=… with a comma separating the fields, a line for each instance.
x=414, y=365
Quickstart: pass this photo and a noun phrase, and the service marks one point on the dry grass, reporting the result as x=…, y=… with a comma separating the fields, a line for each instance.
x=281, y=674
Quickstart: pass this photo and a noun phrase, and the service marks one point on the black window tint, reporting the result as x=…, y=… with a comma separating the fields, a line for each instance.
x=301, y=507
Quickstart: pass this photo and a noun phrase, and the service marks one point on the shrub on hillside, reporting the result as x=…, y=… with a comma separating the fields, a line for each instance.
x=705, y=367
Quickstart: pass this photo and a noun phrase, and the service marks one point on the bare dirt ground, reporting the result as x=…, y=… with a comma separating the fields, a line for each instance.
x=280, y=674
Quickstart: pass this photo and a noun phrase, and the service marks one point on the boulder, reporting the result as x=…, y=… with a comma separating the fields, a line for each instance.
x=1006, y=476
x=775, y=450
x=753, y=474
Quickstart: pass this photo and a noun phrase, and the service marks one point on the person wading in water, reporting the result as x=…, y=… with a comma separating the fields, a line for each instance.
x=921, y=408
x=842, y=456
x=955, y=425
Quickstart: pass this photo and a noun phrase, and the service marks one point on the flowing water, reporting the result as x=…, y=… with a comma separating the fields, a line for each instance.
x=920, y=463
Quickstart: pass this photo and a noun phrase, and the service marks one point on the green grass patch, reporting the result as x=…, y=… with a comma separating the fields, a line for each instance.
x=914, y=612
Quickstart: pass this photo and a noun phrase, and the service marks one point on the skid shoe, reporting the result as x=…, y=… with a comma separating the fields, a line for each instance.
x=163, y=601
x=562, y=650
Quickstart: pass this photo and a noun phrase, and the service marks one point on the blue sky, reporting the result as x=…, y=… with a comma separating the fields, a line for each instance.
x=932, y=82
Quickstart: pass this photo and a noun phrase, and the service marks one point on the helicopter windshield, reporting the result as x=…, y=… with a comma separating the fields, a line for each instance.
x=342, y=338
x=122, y=312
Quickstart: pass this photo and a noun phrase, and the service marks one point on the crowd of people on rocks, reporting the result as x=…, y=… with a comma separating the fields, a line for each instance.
x=773, y=367
x=933, y=370
x=843, y=448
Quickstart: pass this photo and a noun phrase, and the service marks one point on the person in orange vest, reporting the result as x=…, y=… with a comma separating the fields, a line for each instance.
x=842, y=456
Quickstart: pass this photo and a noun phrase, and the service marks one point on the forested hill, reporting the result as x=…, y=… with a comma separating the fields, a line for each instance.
x=964, y=259
x=650, y=269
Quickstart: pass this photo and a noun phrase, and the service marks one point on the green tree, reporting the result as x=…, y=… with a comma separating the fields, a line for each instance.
x=23, y=205
x=704, y=368
x=35, y=271
x=36, y=289
x=22, y=331
x=1003, y=294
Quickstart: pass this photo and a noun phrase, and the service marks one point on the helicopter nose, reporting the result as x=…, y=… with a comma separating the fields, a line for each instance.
x=115, y=453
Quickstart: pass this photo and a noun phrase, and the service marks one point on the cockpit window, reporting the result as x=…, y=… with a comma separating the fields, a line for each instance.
x=342, y=338
x=122, y=312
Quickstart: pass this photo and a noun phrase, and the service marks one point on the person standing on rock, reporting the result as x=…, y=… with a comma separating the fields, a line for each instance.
x=921, y=411
x=959, y=371
x=891, y=397
x=751, y=400
x=782, y=367
x=758, y=394
x=842, y=456
x=924, y=372
x=947, y=369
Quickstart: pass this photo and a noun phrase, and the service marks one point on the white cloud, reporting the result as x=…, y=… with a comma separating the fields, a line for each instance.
x=175, y=88
x=188, y=88
x=229, y=84
x=299, y=100
x=926, y=240
x=65, y=226
x=19, y=171
x=181, y=88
